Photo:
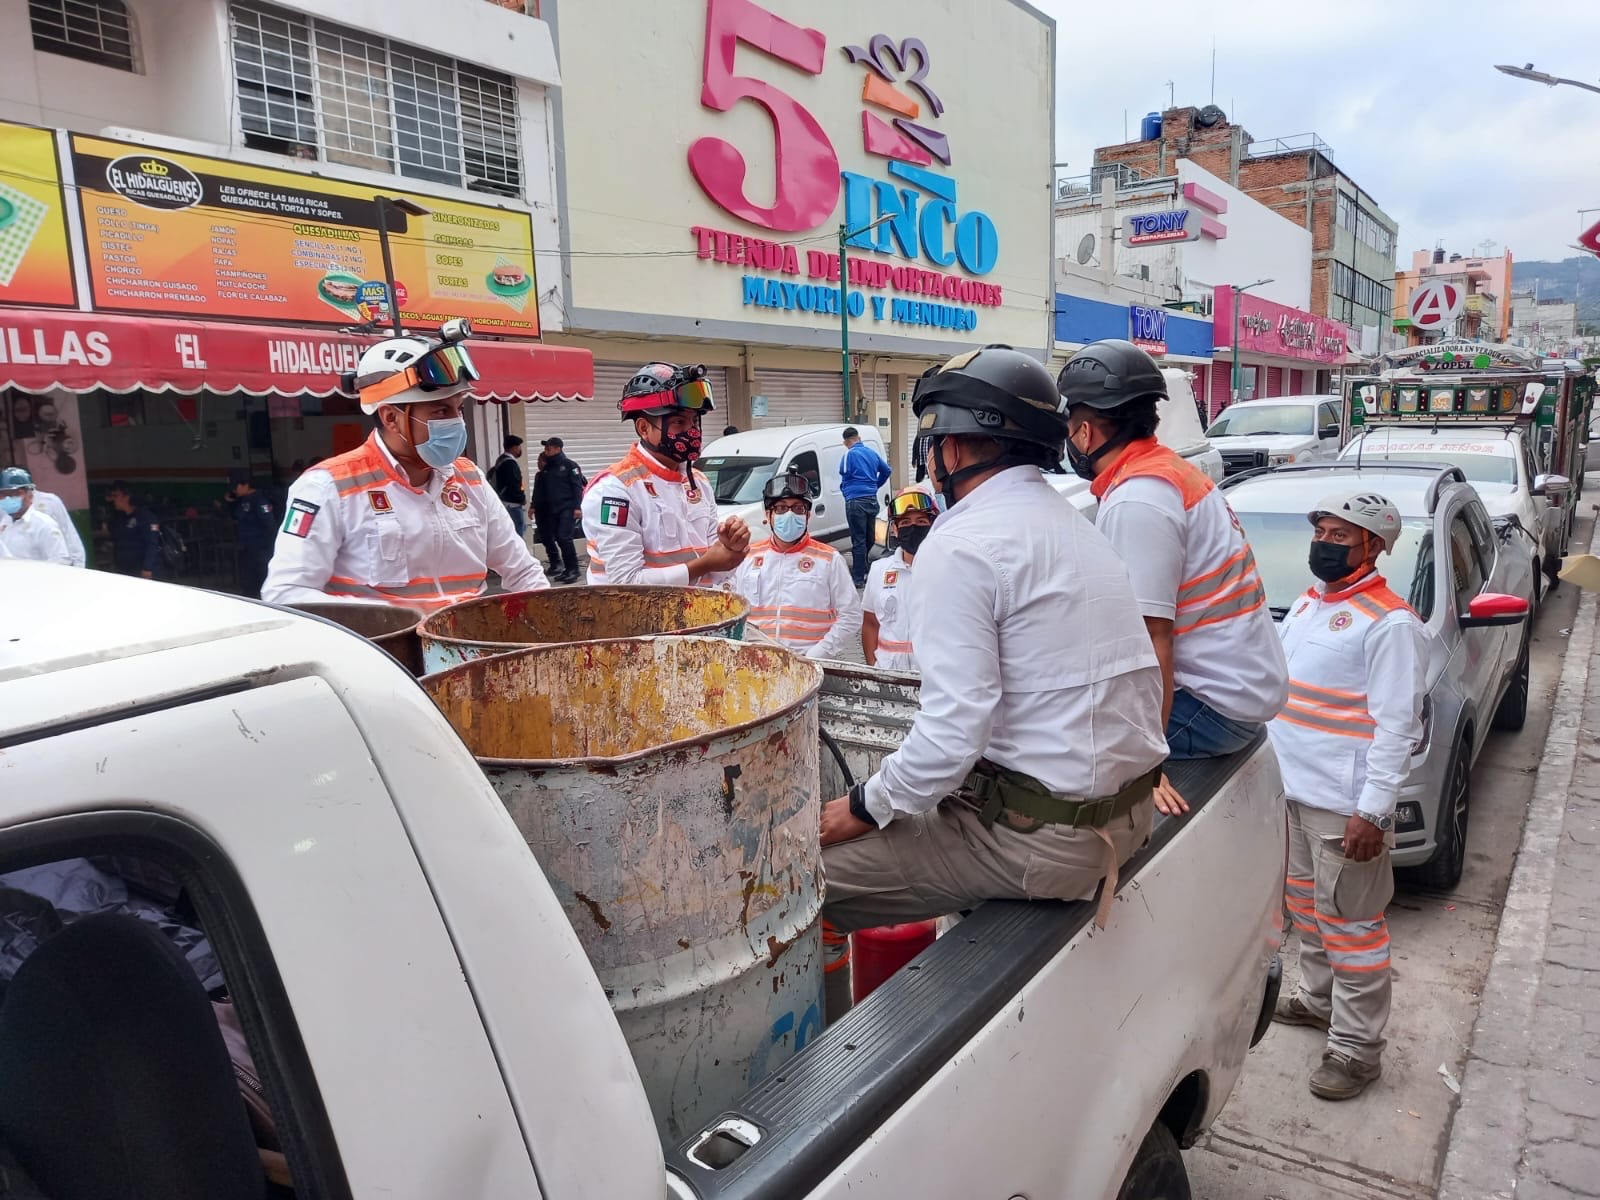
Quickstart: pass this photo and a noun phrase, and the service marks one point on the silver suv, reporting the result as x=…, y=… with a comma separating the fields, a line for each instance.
x=1455, y=569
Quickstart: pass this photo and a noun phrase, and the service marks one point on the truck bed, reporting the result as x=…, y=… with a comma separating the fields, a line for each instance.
x=831, y=1097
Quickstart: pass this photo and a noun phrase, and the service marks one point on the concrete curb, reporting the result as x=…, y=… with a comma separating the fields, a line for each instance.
x=1490, y=1130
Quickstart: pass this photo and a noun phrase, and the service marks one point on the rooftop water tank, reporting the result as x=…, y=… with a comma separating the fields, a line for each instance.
x=1150, y=127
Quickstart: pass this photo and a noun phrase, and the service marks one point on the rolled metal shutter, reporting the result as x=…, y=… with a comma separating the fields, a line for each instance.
x=798, y=398
x=1221, y=388
x=595, y=435
x=1274, y=381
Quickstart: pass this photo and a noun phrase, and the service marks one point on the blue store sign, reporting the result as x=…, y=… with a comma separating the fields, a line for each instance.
x=1080, y=320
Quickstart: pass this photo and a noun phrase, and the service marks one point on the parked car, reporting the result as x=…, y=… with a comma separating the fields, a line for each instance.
x=1179, y=430
x=421, y=1018
x=740, y=464
x=1455, y=568
x=1269, y=433
x=1498, y=462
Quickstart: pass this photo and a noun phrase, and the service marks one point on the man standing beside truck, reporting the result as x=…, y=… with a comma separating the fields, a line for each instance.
x=1357, y=665
x=1028, y=771
x=403, y=518
x=886, y=604
x=650, y=517
x=799, y=588
x=862, y=472
x=1198, y=589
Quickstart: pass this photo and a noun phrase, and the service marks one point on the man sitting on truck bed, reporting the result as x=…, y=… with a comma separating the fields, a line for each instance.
x=1028, y=771
x=1201, y=597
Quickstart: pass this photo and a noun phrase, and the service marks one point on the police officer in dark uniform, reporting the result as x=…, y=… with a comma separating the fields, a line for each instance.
x=257, y=521
x=135, y=534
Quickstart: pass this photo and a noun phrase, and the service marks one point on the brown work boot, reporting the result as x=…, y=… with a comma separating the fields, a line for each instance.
x=1291, y=1010
x=1341, y=1077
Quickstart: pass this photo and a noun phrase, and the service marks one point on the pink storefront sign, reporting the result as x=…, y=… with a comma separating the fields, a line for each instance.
x=1277, y=330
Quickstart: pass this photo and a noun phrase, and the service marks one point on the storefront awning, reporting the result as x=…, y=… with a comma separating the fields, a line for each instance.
x=81, y=352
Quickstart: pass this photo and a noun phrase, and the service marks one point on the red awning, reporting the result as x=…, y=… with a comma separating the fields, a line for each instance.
x=81, y=351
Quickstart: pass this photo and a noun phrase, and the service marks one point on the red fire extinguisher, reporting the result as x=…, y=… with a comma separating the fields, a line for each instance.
x=879, y=953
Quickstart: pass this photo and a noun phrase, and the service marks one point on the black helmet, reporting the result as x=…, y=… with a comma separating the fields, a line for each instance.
x=658, y=388
x=1109, y=374
x=790, y=485
x=994, y=392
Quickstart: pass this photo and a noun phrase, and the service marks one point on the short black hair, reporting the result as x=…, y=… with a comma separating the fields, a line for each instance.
x=729, y=430
x=850, y=431
x=119, y=485
x=1133, y=420
x=512, y=441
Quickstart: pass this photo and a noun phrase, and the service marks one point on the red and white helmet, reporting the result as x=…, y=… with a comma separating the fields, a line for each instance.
x=1365, y=510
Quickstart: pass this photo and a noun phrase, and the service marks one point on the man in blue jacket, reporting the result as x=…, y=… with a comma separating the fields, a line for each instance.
x=862, y=472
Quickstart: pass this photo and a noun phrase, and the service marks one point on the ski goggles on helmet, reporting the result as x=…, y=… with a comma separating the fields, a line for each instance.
x=445, y=366
x=691, y=396
x=790, y=485
x=907, y=503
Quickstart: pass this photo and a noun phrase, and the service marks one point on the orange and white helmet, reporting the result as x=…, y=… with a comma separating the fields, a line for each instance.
x=412, y=368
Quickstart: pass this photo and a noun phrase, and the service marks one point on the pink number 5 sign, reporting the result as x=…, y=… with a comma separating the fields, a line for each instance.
x=807, y=185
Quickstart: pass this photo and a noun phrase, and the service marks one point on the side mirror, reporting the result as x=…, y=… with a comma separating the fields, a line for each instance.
x=1551, y=485
x=1328, y=431
x=1494, y=608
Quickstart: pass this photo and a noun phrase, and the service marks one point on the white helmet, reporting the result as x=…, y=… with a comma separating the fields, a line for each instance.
x=1366, y=510
x=409, y=370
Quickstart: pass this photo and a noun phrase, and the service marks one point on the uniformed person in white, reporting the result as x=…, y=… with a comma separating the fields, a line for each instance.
x=886, y=603
x=651, y=518
x=1357, y=672
x=1028, y=770
x=26, y=530
x=403, y=518
x=799, y=589
x=50, y=504
x=1199, y=592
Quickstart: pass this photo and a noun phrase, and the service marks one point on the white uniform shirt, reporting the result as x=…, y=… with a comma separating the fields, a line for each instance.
x=646, y=522
x=34, y=535
x=890, y=588
x=1032, y=651
x=1357, y=674
x=1193, y=567
x=355, y=529
x=50, y=504
x=801, y=597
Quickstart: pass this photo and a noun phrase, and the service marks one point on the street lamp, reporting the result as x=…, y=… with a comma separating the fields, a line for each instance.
x=412, y=209
x=1238, y=291
x=1527, y=72
x=844, y=303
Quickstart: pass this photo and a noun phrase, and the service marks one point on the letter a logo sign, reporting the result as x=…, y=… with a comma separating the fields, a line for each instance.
x=1436, y=304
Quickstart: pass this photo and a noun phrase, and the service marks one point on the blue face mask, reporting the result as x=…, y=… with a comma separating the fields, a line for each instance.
x=789, y=527
x=11, y=505
x=447, y=438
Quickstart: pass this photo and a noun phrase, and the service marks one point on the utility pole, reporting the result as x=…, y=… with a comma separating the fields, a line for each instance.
x=845, y=233
x=1238, y=292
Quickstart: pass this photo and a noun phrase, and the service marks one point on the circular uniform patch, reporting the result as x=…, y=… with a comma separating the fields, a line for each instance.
x=806, y=564
x=1339, y=620
x=455, y=496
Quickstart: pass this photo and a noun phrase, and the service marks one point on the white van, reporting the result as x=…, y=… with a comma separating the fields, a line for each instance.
x=740, y=464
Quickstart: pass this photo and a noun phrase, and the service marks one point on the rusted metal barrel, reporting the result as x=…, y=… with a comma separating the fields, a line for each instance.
x=514, y=620
x=668, y=787
x=387, y=625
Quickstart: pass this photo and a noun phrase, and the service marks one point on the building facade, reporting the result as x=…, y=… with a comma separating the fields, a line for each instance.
x=1485, y=286
x=1353, y=239
x=1550, y=324
x=705, y=229
x=207, y=187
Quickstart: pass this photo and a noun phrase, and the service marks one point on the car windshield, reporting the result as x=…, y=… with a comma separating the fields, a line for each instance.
x=1480, y=464
x=1281, y=543
x=1264, y=421
x=736, y=480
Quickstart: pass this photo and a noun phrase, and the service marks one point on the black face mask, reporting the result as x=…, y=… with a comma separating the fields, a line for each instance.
x=1329, y=561
x=679, y=447
x=1082, y=461
x=911, y=536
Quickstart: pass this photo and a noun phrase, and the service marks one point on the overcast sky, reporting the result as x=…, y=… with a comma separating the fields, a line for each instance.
x=1405, y=94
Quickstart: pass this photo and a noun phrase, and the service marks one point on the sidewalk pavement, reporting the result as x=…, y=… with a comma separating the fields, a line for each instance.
x=1528, y=1126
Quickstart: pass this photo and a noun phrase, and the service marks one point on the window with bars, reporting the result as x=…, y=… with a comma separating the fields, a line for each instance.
x=320, y=90
x=95, y=31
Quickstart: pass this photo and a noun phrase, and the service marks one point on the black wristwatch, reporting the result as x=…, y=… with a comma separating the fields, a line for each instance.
x=858, y=804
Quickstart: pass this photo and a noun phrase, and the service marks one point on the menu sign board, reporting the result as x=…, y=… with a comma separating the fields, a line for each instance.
x=180, y=234
x=35, y=264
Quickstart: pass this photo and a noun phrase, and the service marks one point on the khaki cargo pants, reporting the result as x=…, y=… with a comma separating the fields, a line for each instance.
x=944, y=861
x=1337, y=907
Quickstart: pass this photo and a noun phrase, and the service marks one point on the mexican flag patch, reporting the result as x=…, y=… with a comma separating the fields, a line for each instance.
x=297, y=521
x=613, y=512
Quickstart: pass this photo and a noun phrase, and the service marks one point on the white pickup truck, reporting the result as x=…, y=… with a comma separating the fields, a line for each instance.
x=420, y=1013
